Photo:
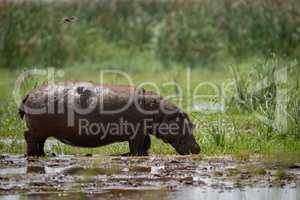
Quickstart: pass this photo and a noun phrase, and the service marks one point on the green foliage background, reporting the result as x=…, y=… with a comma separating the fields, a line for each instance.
x=244, y=41
x=194, y=32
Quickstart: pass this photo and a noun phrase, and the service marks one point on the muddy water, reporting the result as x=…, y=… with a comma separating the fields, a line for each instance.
x=167, y=177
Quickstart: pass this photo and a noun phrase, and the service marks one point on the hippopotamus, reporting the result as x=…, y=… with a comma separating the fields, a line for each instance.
x=87, y=114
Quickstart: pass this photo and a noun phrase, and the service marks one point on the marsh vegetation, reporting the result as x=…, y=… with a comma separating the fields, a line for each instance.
x=233, y=45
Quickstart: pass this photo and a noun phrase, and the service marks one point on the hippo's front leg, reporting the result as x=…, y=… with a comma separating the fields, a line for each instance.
x=35, y=144
x=139, y=145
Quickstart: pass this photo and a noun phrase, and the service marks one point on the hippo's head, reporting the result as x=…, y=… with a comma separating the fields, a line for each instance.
x=177, y=130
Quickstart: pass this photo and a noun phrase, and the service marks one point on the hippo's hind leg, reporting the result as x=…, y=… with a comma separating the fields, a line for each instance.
x=139, y=145
x=35, y=144
x=146, y=146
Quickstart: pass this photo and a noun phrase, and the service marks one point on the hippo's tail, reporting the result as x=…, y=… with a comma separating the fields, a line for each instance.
x=21, y=107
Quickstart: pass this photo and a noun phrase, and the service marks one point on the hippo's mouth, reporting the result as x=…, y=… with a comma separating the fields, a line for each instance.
x=187, y=149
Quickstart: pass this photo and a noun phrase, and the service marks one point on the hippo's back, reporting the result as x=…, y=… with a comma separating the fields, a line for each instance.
x=56, y=109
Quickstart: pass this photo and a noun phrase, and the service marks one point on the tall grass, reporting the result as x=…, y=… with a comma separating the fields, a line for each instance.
x=257, y=89
x=294, y=112
x=189, y=32
x=257, y=92
x=144, y=37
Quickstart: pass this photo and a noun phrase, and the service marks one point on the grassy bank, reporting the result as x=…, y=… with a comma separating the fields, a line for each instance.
x=242, y=53
x=239, y=130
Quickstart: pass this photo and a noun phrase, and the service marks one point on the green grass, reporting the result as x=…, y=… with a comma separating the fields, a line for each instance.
x=232, y=44
x=195, y=33
x=237, y=132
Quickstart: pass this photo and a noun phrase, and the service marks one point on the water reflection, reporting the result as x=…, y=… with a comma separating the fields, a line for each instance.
x=239, y=194
x=186, y=193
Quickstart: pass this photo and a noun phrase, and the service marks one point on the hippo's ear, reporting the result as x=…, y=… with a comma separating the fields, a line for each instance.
x=182, y=114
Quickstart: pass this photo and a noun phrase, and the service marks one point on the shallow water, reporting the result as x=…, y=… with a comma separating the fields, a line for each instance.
x=188, y=193
x=154, y=177
x=209, y=107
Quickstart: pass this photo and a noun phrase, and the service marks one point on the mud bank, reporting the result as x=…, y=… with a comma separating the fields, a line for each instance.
x=164, y=177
